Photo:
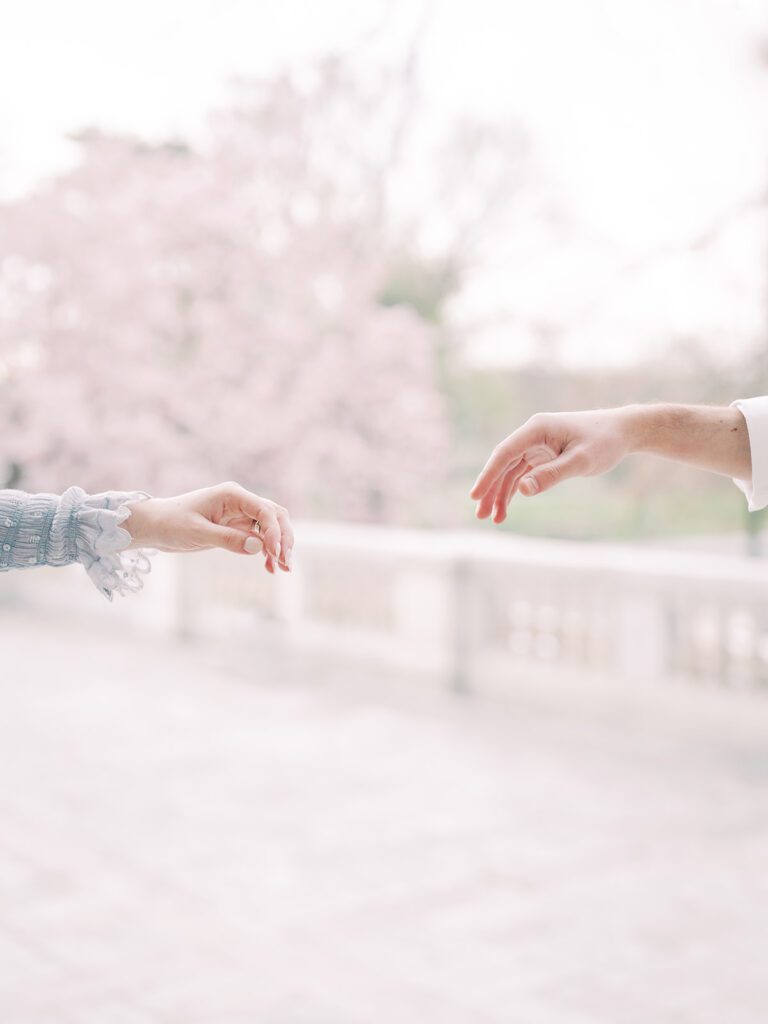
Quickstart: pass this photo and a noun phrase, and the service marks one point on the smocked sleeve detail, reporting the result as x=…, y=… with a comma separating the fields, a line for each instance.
x=50, y=529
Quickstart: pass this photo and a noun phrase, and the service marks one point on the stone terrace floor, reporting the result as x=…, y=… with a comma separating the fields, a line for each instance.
x=211, y=835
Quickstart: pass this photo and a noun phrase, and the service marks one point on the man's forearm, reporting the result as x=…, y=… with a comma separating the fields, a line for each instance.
x=552, y=447
x=709, y=438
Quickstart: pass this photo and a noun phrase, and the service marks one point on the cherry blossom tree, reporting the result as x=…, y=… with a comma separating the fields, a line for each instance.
x=173, y=315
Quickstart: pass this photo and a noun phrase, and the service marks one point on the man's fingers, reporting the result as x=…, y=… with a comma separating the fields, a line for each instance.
x=507, y=489
x=501, y=460
x=488, y=500
x=501, y=492
x=541, y=478
x=504, y=457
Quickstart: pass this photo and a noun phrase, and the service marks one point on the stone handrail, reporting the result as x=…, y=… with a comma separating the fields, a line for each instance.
x=467, y=602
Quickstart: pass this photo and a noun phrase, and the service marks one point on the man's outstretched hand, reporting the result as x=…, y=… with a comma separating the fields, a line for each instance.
x=549, y=448
x=226, y=516
x=552, y=447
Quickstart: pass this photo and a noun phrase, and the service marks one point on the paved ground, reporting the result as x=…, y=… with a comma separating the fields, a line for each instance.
x=194, y=836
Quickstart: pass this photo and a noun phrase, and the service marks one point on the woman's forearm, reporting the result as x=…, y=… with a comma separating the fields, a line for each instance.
x=707, y=437
x=109, y=532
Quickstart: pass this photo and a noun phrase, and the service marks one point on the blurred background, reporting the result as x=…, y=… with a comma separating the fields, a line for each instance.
x=445, y=771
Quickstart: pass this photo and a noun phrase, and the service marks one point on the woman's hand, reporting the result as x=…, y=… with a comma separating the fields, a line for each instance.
x=549, y=448
x=225, y=516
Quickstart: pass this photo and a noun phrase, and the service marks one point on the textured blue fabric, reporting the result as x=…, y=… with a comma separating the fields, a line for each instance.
x=52, y=529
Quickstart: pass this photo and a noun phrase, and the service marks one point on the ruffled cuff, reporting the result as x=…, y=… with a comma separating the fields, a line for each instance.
x=102, y=543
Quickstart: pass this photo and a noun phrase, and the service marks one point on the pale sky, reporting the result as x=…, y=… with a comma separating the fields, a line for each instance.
x=649, y=122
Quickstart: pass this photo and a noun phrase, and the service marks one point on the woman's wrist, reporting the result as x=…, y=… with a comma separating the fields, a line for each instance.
x=137, y=523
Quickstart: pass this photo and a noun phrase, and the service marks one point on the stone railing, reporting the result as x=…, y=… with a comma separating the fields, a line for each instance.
x=472, y=604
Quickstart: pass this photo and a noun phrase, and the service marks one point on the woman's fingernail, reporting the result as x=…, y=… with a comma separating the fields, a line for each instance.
x=252, y=545
x=529, y=485
x=288, y=557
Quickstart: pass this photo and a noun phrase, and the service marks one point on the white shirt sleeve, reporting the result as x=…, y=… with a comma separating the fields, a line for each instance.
x=755, y=412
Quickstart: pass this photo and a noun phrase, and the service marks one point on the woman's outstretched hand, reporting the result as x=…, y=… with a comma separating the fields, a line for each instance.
x=549, y=448
x=226, y=516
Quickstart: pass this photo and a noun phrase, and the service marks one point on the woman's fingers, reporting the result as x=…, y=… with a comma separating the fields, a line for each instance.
x=286, y=538
x=239, y=542
x=260, y=511
x=269, y=534
x=212, y=535
x=275, y=530
x=240, y=521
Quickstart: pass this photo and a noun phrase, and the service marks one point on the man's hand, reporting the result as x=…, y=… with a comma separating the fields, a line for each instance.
x=549, y=448
x=225, y=516
x=552, y=447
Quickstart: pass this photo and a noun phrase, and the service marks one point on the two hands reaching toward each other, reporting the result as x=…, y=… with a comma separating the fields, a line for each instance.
x=552, y=447
x=226, y=516
x=95, y=530
x=548, y=449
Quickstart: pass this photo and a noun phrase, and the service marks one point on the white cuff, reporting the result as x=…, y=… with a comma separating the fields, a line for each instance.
x=101, y=543
x=755, y=412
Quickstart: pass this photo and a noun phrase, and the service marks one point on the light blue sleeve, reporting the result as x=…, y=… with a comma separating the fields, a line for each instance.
x=53, y=529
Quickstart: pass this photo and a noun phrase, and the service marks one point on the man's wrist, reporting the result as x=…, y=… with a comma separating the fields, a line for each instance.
x=663, y=428
x=642, y=426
